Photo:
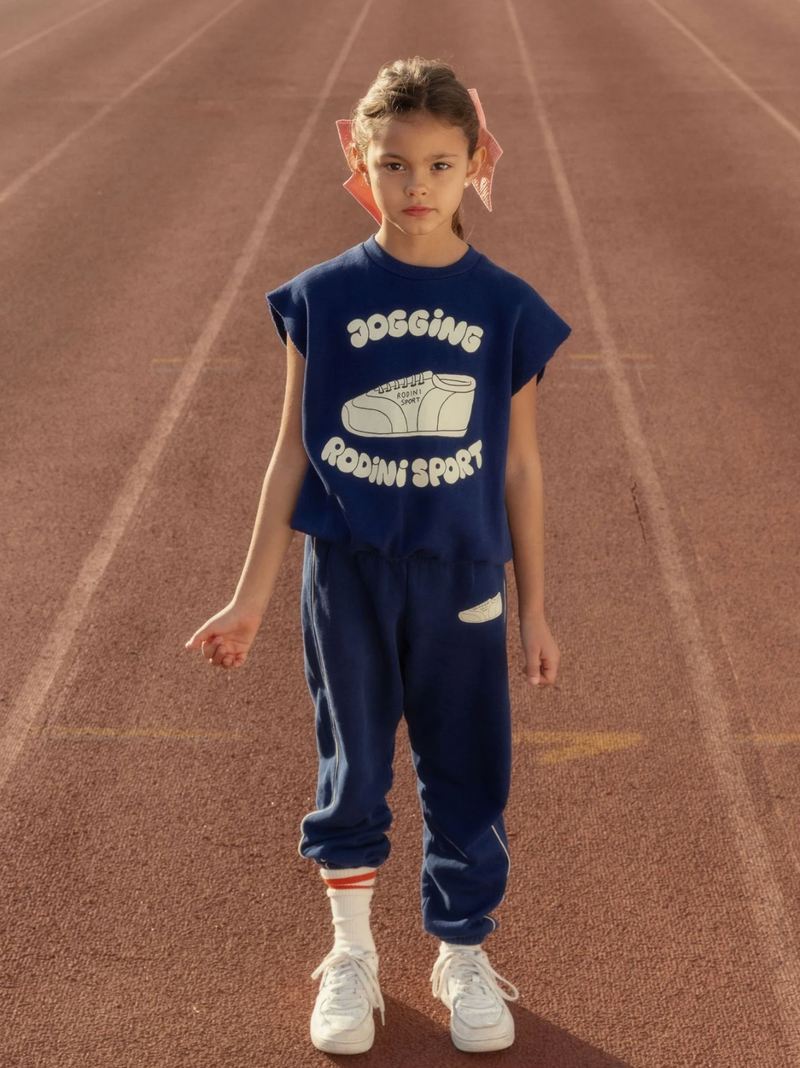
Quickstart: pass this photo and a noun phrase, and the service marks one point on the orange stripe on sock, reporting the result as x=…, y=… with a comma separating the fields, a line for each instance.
x=352, y=882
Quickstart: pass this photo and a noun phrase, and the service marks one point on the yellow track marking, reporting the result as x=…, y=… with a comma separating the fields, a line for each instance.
x=156, y=734
x=769, y=739
x=558, y=746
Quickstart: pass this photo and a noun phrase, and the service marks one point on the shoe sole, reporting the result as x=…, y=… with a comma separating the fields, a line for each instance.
x=483, y=1045
x=330, y=1045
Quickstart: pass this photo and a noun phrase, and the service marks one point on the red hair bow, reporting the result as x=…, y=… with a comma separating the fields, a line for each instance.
x=358, y=186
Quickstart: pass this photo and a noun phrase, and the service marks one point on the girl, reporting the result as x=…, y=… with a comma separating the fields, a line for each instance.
x=407, y=454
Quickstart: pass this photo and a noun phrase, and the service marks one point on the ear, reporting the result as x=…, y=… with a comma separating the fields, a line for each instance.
x=476, y=162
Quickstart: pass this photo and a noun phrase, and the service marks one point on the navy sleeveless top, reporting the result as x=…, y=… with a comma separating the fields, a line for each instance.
x=408, y=383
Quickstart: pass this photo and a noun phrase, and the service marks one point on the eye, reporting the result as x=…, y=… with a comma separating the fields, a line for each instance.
x=392, y=164
x=441, y=163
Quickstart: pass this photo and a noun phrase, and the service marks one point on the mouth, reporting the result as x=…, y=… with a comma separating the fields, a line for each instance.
x=417, y=211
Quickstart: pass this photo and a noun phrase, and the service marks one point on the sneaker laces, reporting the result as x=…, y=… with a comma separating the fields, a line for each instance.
x=474, y=978
x=349, y=976
x=402, y=383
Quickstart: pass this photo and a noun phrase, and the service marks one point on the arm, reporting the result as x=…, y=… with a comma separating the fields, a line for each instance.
x=525, y=509
x=225, y=639
x=272, y=534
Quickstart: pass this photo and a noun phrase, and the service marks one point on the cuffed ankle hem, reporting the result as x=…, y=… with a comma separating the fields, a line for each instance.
x=345, y=873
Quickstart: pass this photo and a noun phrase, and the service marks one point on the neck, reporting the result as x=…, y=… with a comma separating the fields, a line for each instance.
x=427, y=250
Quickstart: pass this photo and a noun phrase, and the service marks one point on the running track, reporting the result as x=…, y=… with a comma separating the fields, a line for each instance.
x=162, y=167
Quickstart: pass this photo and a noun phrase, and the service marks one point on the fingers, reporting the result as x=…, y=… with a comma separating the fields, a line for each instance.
x=545, y=676
x=232, y=660
x=194, y=641
x=548, y=674
x=202, y=637
x=217, y=653
x=214, y=649
x=531, y=672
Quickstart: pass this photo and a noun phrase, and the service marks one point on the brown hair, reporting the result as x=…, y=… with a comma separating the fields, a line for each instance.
x=413, y=85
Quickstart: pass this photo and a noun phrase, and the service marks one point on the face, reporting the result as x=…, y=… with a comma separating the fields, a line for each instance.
x=419, y=162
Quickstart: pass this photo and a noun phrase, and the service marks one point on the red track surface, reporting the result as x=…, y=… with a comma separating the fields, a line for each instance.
x=154, y=908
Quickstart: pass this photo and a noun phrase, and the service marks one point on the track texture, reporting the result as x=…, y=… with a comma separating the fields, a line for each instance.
x=163, y=166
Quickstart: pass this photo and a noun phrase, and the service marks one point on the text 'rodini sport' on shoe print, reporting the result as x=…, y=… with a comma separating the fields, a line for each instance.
x=483, y=612
x=424, y=404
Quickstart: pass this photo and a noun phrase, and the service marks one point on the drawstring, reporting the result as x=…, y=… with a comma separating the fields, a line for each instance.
x=350, y=966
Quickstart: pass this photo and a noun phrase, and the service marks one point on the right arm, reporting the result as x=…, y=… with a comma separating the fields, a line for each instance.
x=272, y=534
x=225, y=639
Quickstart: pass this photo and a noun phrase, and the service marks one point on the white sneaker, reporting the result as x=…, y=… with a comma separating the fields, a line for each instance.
x=342, y=1018
x=466, y=982
x=484, y=611
x=426, y=403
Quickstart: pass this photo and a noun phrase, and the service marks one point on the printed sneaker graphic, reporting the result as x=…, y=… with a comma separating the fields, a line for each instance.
x=484, y=611
x=422, y=404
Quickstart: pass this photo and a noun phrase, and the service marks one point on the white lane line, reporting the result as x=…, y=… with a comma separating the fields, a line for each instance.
x=26, y=712
x=762, y=888
x=779, y=117
x=51, y=29
x=62, y=146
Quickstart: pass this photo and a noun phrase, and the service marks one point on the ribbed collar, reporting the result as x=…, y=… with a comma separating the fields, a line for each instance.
x=410, y=270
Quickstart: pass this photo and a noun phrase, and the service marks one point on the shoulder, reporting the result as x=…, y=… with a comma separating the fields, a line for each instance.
x=522, y=301
x=508, y=287
x=318, y=278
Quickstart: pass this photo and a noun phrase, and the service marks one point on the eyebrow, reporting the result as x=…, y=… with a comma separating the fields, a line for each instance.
x=436, y=155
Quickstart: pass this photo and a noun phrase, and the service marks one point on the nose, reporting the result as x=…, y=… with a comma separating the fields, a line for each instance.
x=415, y=185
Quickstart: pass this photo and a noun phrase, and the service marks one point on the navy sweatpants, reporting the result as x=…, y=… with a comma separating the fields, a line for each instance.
x=426, y=638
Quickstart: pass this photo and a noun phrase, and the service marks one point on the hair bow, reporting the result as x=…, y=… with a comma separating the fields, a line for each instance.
x=358, y=186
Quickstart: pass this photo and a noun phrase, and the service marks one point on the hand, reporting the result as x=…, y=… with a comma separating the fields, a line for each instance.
x=542, y=656
x=226, y=638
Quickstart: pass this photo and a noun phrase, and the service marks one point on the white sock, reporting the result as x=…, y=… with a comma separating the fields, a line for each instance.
x=350, y=893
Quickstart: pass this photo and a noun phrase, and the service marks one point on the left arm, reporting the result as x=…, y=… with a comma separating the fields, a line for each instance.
x=524, y=506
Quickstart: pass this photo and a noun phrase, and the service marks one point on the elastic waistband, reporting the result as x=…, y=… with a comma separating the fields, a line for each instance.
x=373, y=553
